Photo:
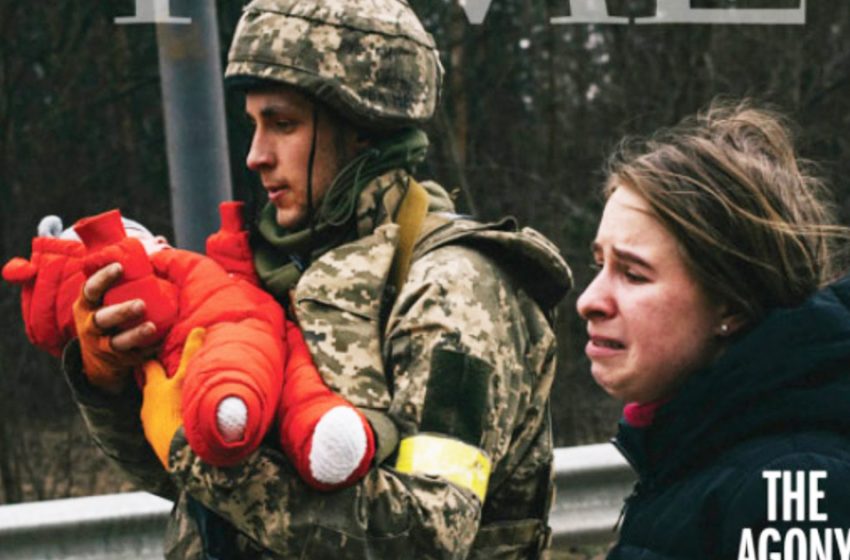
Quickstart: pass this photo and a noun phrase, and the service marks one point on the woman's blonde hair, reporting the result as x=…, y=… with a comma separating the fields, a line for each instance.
x=751, y=220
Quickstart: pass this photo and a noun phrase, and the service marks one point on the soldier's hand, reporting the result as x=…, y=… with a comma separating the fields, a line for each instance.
x=112, y=317
x=110, y=350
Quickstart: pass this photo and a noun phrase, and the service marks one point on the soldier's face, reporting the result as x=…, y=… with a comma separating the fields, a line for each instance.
x=649, y=322
x=280, y=150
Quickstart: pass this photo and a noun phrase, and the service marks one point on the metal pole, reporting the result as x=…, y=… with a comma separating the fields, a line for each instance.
x=195, y=130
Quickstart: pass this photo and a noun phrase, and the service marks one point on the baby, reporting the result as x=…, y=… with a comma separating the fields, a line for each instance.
x=251, y=361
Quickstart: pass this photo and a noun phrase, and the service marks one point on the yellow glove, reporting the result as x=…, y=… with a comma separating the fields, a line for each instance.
x=161, y=412
x=104, y=367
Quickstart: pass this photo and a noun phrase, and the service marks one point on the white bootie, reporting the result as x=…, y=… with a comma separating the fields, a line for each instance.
x=339, y=443
x=231, y=418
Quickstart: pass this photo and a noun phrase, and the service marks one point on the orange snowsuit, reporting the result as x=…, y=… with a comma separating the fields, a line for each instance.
x=251, y=351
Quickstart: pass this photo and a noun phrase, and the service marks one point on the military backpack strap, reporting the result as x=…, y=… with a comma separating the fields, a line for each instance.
x=410, y=217
x=415, y=228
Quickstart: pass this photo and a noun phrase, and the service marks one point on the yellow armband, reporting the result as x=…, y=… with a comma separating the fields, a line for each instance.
x=459, y=463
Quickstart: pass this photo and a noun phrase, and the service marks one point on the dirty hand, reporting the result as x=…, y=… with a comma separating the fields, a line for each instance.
x=109, y=349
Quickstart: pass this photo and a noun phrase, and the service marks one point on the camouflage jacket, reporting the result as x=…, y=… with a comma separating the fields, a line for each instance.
x=464, y=349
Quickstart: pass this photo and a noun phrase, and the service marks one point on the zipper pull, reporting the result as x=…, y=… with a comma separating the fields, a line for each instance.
x=619, y=522
x=625, y=507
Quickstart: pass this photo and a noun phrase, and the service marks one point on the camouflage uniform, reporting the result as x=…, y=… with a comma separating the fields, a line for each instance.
x=468, y=318
x=464, y=349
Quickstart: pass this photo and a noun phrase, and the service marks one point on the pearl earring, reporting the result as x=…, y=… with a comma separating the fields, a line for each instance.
x=724, y=328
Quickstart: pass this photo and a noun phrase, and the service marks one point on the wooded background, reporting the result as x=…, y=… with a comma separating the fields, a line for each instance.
x=529, y=113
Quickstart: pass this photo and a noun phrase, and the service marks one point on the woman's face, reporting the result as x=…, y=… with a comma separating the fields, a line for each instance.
x=650, y=324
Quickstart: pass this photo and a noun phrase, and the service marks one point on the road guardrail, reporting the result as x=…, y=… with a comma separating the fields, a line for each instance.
x=591, y=480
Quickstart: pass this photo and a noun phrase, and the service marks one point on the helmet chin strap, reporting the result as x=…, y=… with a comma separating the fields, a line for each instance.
x=310, y=160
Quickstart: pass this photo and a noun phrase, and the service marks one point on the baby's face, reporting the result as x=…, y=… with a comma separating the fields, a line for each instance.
x=151, y=243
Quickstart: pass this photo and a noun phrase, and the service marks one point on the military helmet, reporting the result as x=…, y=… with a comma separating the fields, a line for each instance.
x=371, y=60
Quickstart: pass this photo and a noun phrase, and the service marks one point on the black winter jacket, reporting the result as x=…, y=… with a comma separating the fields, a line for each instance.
x=777, y=400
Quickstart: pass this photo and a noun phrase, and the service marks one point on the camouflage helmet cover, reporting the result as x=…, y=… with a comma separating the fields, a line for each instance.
x=371, y=60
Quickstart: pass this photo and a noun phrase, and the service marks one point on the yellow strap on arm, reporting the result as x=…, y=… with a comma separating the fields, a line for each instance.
x=460, y=463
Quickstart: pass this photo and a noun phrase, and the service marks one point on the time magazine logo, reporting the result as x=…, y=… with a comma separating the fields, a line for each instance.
x=582, y=11
x=666, y=12
x=152, y=11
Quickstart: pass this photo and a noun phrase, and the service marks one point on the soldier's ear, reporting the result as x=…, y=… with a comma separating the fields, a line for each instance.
x=361, y=140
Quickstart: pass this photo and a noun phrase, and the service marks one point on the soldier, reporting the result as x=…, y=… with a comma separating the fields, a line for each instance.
x=437, y=327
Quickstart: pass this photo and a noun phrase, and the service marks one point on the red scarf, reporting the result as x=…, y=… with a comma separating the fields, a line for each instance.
x=641, y=415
